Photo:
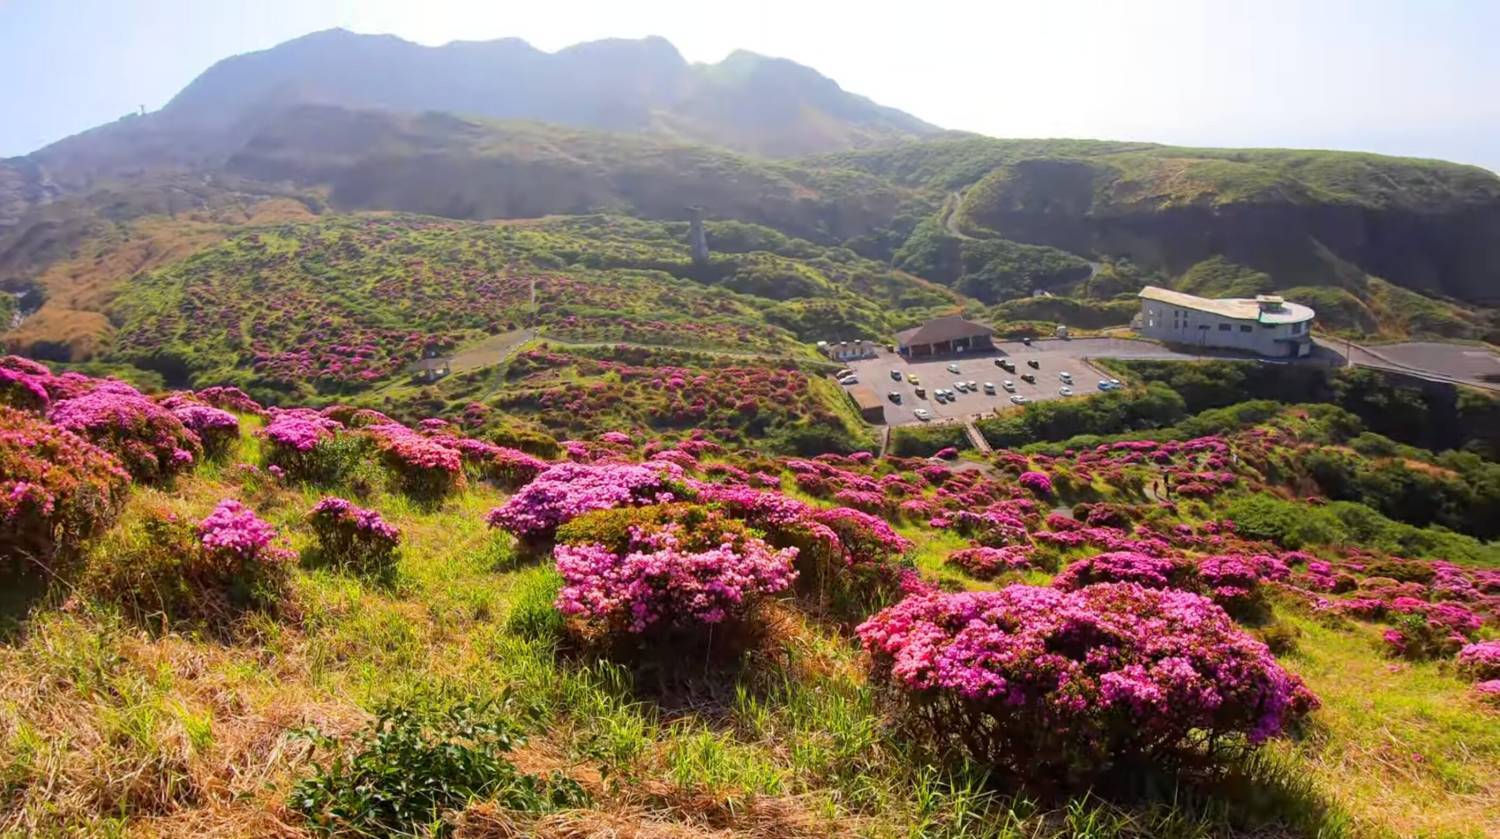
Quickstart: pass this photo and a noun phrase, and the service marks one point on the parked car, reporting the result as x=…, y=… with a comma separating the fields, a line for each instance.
x=972, y=387
x=1006, y=364
x=1105, y=385
x=953, y=368
x=913, y=379
x=896, y=375
x=1018, y=399
x=1114, y=383
x=849, y=380
x=921, y=393
x=960, y=387
x=1064, y=391
x=1065, y=377
x=1028, y=378
x=989, y=387
x=922, y=414
x=1026, y=341
x=1009, y=385
x=896, y=397
x=1034, y=364
x=842, y=373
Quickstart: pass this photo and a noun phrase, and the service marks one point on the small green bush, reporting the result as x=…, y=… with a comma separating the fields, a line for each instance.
x=404, y=772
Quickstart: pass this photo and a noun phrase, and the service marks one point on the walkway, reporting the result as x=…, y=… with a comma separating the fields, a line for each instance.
x=976, y=439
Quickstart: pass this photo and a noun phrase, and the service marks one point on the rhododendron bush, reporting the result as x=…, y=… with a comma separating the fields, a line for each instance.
x=56, y=488
x=215, y=427
x=162, y=565
x=423, y=466
x=680, y=567
x=1480, y=661
x=148, y=439
x=568, y=490
x=1068, y=684
x=354, y=538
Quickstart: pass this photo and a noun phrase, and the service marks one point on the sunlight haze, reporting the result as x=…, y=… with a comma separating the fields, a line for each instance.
x=1397, y=78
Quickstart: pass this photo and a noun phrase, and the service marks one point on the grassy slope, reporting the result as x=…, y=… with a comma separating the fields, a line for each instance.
x=179, y=735
x=277, y=293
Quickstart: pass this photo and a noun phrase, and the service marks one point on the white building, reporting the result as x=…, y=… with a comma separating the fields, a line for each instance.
x=849, y=350
x=1267, y=324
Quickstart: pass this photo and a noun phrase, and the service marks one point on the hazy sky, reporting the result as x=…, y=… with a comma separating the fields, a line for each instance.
x=1417, y=78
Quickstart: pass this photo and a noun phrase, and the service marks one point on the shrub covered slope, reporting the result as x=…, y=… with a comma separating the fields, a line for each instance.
x=331, y=621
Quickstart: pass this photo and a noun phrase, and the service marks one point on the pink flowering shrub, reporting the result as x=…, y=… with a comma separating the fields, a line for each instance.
x=216, y=429
x=1480, y=661
x=161, y=565
x=150, y=442
x=682, y=567
x=1037, y=681
x=1232, y=581
x=1488, y=692
x=307, y=446
x=1037, y=482
x=354, y=538
x=1123, y=567
x=229, y=399
x=56, y=489
x=568, y=490
x=983, y=563
x=424, y=467
x=510, y=468
x=866, y=539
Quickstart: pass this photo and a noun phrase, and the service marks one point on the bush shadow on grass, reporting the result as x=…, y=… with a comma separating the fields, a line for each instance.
x=21, y=591
x=314, y=557
x=695, y=672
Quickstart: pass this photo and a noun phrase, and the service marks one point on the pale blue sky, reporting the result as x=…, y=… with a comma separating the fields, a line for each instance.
x=1413, y=78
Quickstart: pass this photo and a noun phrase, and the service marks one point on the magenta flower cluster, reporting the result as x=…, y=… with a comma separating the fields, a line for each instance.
x=354, y=537
x=234, y=535
x=567, y=490
x=1030, y=678
x=657, y=583
x=148, y=439
x=1038, y=482
x=298, y=429
x=1480, y=661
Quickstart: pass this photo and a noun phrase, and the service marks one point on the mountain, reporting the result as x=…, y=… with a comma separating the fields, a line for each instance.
x=336, y=123
x=750, y=103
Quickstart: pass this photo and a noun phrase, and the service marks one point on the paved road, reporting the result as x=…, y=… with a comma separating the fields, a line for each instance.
x=1467, y=364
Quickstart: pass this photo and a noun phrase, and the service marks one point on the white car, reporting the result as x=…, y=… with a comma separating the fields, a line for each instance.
x=1064, y=391
x=989, y=387
x=922, y=414
x=1009, y=385
x=849, y=380
x=1018, y=399
x=1115, y=383
x=953, y=368
x=1066, y=377
x=972, y=386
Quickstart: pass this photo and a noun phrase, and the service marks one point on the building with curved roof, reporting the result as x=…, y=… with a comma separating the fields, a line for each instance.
x=1266, y=324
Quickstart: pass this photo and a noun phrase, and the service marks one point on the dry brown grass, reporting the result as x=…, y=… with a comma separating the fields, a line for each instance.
x=80, y=289
x=182, y=737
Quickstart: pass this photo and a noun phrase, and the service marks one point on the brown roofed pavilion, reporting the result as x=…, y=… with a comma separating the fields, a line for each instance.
x=941, y=336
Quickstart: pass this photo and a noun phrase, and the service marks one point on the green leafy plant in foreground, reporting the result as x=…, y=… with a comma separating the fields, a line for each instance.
x=408, y=768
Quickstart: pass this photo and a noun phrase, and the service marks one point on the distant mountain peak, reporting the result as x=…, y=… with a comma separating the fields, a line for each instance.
x=747, y=102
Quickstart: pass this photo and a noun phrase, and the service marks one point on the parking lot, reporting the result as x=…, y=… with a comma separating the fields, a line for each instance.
x=1051, y=356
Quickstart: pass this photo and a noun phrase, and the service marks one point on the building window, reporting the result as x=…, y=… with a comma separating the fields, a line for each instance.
x=1223, y=327
x=1268, y=326
x=1245, y=327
